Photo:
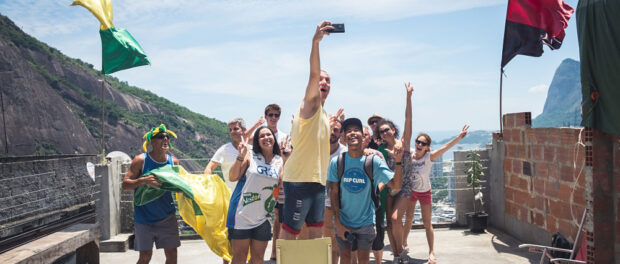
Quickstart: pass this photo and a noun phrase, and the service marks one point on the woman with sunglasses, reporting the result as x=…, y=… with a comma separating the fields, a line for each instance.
x=254, y=197
x=397, y=201
x=422, y=162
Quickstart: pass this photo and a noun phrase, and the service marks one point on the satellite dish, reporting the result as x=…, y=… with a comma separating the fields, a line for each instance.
x=90, y=167
x=124, y=157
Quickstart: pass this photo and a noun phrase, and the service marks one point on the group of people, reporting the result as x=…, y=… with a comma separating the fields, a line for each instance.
x=331, y=177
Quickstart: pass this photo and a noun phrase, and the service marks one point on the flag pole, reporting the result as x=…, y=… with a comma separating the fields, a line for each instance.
x=501, y=123
x=102, y=118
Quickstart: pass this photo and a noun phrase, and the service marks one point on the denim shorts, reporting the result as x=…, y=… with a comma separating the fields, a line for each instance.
x=261, y=233
x=303, y=202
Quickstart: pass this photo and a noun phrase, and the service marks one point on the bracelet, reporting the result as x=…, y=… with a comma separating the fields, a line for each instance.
x=399, y=163
x=239, y=158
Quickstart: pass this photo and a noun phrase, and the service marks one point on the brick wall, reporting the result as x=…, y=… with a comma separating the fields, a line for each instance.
x=35, y=191
x=544, y=171
x=603, y=158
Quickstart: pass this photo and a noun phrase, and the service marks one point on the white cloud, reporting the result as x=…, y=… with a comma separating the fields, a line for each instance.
x=538, y=89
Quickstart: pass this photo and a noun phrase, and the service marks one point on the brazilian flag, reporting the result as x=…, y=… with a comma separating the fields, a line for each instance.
x=120, y=50
x=202, y=199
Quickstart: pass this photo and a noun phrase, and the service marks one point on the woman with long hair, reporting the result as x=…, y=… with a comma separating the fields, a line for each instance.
x=399, y=198
x=253, y=200
x=422, y=162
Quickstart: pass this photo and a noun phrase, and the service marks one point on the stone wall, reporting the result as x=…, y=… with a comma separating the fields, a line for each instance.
x=35, y=190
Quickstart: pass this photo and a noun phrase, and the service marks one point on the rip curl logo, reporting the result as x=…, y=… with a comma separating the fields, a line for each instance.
x=354, y=180
x=250, y=197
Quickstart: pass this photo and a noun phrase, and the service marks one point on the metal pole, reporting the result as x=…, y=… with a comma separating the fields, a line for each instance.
x=102, y=118
x=6, y=141
x=501, y=123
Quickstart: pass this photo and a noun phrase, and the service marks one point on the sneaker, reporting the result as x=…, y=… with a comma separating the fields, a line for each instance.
x=403, y=258
x=395, y=261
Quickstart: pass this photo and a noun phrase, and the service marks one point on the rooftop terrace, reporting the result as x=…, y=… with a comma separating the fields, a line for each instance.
x=451, y=246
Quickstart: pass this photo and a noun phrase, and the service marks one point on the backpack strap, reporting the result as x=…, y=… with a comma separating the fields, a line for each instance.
x=368, y=168
x=340, y=171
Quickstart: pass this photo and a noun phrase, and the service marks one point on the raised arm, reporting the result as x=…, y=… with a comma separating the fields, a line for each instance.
x=249, y=134
x=241, y=163
x=312, y=98
x=437, y=153
x=408, y=123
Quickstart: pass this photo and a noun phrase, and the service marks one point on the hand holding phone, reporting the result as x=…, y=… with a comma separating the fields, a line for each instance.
x=338, y=28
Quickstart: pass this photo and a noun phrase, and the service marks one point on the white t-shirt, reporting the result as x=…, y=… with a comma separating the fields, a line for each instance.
x=252, y=202
x=341, y=148
x=226, y=156
x=421, y=172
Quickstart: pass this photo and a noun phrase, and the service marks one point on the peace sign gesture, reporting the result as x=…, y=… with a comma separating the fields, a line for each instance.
x=409, y=88
x=464, y=131
x=243, y=148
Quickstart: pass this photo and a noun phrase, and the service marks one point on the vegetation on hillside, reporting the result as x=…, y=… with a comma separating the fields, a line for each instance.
x=88, y=106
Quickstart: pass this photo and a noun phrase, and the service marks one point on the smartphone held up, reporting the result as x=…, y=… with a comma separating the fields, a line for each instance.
x=338, y=28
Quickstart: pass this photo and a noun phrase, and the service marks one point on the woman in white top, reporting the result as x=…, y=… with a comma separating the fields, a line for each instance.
x=420, y=171
x=254, y=197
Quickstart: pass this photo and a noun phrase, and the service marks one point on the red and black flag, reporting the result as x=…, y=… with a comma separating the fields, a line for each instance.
x=530, y=23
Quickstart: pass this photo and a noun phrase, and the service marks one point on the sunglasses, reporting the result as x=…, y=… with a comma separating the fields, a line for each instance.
x=424, y=144
x=161, y=136
x=273, y=115
x=372, y=122
x=384, y=131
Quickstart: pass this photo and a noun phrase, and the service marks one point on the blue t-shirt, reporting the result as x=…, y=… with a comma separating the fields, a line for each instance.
x=356, y=206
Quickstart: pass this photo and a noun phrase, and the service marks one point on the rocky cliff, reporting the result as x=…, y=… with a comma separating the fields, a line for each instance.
x=51, y=104
x=562, y=106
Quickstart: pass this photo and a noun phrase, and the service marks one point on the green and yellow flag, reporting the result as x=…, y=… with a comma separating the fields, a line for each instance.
x=120, y=50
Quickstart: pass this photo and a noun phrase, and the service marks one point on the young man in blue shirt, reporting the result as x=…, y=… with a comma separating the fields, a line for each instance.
x=351, y=193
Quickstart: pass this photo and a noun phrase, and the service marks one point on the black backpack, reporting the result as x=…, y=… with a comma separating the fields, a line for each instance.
x=559, y=241
x=368, y=169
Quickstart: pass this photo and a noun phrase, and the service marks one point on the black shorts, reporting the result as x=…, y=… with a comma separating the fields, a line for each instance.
x=260, y=233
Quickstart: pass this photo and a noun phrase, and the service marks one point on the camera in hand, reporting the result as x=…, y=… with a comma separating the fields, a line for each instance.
x=338, y=28
x=349, y=236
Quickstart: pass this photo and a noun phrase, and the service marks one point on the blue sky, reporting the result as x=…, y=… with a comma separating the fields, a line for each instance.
x=229, y=58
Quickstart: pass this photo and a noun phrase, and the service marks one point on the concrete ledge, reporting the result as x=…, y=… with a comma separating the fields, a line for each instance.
x=51, y=247
x=118, y=243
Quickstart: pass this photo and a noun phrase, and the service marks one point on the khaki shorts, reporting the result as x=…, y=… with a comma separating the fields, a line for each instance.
x=164, y=233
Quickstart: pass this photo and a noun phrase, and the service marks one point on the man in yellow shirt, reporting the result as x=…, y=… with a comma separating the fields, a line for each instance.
x=305, y=172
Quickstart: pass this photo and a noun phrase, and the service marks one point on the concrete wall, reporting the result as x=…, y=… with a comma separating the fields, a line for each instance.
x=463, y=194
x=35, y=191
x=497, y=189
x=544, y=180
x=108, y=206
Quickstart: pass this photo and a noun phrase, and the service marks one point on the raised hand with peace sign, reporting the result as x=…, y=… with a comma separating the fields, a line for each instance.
x=242, y=162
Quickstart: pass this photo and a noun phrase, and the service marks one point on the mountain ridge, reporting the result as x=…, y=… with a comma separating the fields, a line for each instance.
x=52, y=105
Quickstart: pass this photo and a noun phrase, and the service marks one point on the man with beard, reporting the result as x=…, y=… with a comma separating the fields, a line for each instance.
x=335, y=148
x=305, y=172
x=155, y=221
